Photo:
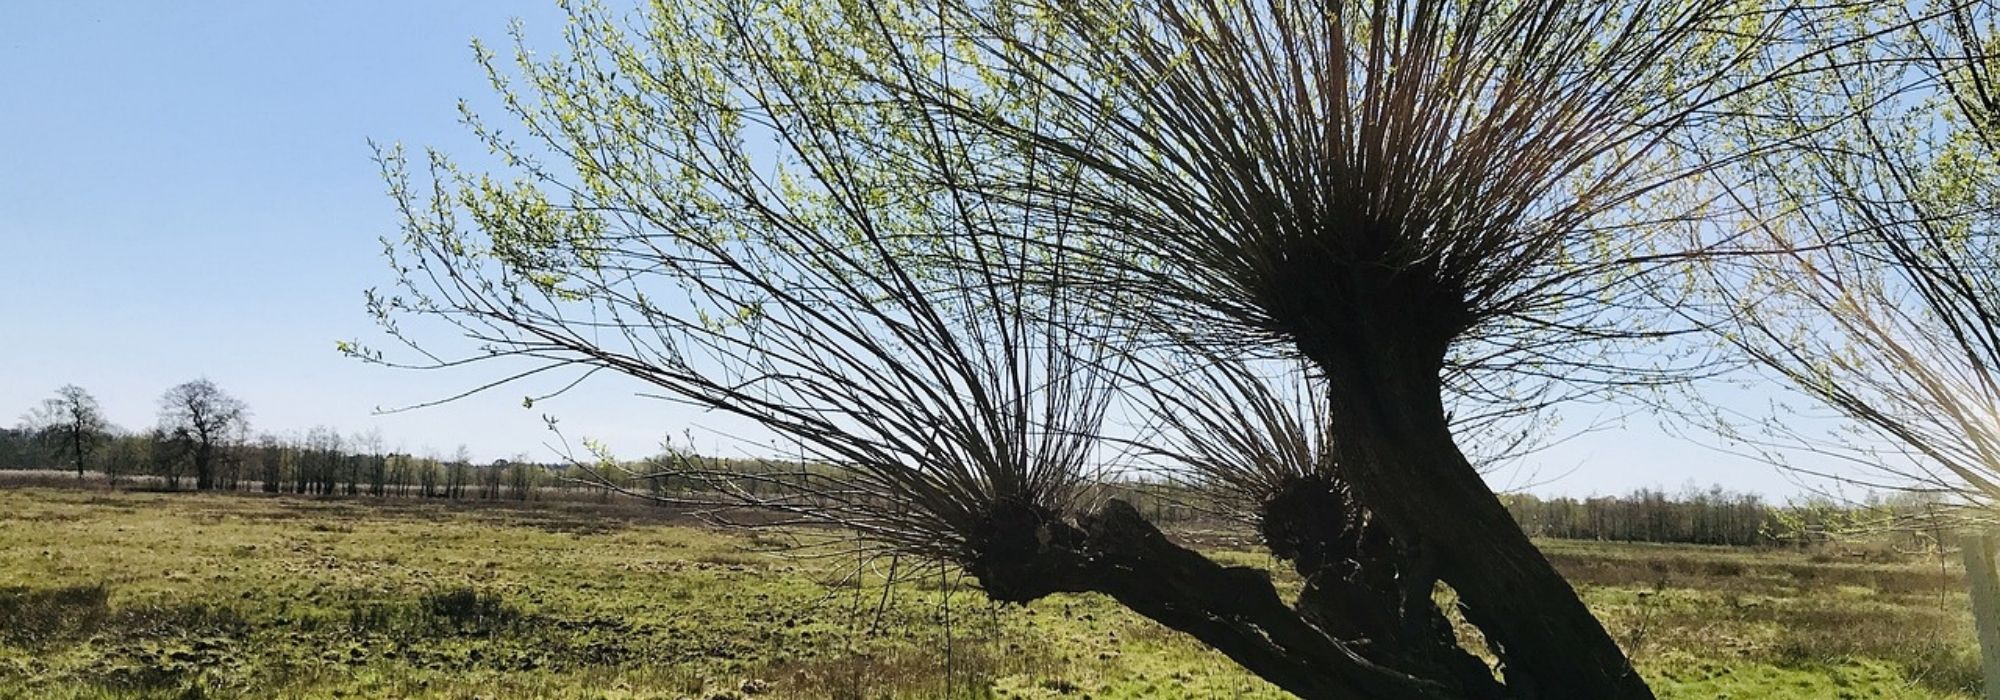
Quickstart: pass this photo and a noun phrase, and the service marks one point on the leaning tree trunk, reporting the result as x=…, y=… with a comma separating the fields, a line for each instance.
x=1362, y=585
x=1026, y=553
x=1397, y=453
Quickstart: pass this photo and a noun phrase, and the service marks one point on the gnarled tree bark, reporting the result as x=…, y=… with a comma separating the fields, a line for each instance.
x=1362, y=585
x=1396, y=451
x=1029, y=554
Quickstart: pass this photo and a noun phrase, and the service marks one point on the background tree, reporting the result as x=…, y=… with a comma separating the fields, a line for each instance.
x=491, y=479
x=71, y=424
x=170, y=452
x=127, y=454
x=458, y=473
x=270, y=458
x=1867, y=274
x=207, y=419
x=18, y=450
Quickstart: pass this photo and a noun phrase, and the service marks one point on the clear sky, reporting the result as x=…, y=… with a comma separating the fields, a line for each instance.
x=186, y=190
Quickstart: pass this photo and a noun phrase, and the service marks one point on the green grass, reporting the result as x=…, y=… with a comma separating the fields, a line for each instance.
x=180, y=595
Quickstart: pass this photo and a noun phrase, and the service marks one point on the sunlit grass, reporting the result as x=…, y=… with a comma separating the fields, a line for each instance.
x=160, y=595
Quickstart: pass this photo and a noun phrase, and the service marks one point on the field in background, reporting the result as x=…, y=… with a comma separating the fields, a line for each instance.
x=119, y=594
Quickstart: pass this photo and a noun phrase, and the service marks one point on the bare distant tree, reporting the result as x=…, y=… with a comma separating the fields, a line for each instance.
x=208, y=419
x=271, y=463
x=71, y=424
x=169, y=453
x=128, y=453
x=458, y=473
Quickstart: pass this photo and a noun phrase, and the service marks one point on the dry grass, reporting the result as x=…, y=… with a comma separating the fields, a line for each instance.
x=156, y=595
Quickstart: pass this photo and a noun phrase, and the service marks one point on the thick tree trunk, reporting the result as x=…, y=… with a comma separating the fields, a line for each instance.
x=1379, y=328
x=1362, y=586
x=1027, y=554
x=1397, y=453
x=204, y=468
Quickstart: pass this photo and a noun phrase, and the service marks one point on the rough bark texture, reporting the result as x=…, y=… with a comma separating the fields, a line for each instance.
x=1379, y=330
x=1549, y=644
x=1026, y=553
x=1362, y=586
x=1380, y=335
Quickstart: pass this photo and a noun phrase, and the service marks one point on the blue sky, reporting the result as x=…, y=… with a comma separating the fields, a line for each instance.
x=186, y=190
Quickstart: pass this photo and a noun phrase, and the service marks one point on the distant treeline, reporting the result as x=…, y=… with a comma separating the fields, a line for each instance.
x=321, y=462
x=324, y=462
x=1714, y=516
x=1720, y=517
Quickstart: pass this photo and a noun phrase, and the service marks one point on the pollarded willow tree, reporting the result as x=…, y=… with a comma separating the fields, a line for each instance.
x=1423, y=200
x=1868, y=278
x=876, y=320
x=1254, y=442
x=933, y=242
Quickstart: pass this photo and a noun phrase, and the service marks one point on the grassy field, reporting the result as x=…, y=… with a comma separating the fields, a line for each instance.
x=108, y=594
